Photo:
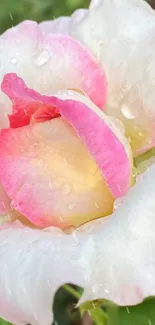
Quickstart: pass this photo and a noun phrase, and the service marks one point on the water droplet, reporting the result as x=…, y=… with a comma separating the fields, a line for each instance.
x=117, y=203
x=96, y=287
x=128, y=112
x=14, y=61
x=66, y=189
x=71, y=206
x=41, y=58
x=71, y=93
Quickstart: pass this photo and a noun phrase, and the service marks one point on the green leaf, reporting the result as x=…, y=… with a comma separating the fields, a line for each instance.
x=4, y=322
x=143, y=314
x=97, y=314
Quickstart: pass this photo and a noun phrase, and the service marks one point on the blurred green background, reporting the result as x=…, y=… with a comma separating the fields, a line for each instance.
x=14, y=11
x=11, y=13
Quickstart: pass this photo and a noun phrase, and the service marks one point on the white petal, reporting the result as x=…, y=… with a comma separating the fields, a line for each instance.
x=123, y=267
x=120, y=34
x=112, y=258
x=34, y=264
x=58, y=25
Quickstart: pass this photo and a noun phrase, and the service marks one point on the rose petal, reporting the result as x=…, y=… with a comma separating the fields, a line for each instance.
x=120, y=35
x=50, y=177
x=49, y=155
x=48, y=63
x=112, y=258
x=123, y=266
x=58, y=26
x=61, y=25
x=26, y=102
x=104, y=139
x=33, y=265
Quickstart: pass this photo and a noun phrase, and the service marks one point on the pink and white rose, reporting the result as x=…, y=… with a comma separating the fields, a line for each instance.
x=76, y=104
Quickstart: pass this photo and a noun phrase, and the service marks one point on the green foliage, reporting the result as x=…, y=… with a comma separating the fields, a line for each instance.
x=14, y=11
x=143, y=314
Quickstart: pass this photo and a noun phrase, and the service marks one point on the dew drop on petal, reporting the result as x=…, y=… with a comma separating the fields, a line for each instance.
x=41, y=58
x=129, y=112
x=96, y=287
x=66, y=189
x=71, y=206
x=14, y=61
x=117, y=203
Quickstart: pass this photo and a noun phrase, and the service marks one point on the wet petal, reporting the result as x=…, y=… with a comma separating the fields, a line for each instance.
x=48, y=63
x=47, y=165
x=111, y=258
x=59, y=25
x=52, y=160
x=34, y=264
x=123, y=266
x=104, y=139
x=26, y=103
x=120, y=35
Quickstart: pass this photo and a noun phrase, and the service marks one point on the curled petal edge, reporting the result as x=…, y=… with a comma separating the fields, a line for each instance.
x=112, y=258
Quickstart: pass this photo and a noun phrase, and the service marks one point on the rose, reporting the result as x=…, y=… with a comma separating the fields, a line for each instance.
x=112, y=257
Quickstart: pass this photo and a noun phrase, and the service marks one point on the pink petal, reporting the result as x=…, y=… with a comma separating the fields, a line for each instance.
x=102, y=137
x=46, y=169
x=50, y=177
x=120, y=35
x=26, y=102
x=48, y=63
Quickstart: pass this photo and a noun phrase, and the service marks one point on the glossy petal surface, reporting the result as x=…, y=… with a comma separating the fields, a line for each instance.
x=37, y=57
x=120, y=35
